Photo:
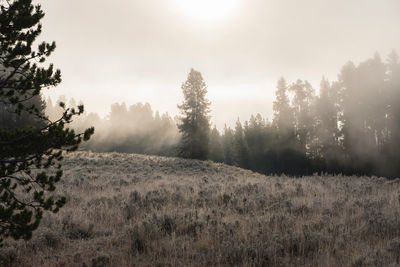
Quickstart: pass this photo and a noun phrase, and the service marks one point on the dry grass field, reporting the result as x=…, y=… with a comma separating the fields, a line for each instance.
x=137, y=210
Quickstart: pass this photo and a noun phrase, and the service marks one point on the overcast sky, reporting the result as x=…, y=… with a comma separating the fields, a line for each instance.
x=142, y=50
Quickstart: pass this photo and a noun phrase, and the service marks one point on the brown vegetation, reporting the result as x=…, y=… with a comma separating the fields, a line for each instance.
x=134, y=210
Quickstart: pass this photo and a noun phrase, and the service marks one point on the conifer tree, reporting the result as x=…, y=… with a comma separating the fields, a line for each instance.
x=393, y=106
x=392, y=131
x=283, y=113
x=227, y=144
x=326, y=111
x=257, y=137
x=11, y=120
x=241, y=156
x=302, y=106
x=29, y=157
x=363, y=112
x=195, y=120
x=216, y=151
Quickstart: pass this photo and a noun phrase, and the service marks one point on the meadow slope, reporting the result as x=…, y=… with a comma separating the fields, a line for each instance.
x=137, y=210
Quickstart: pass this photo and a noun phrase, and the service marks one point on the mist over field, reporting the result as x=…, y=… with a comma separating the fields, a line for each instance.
x=199, y=133
x=135, y=128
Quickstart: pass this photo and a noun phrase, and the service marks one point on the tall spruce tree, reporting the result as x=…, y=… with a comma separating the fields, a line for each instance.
x=29, y=157
x=216, y=150
x=257, y=136
x=195, y=120
x=302, y=103
x=363, y=113
x=227, y=145
x=241, y=155
x=283, y=113
x=326, y=143
x=392, y=132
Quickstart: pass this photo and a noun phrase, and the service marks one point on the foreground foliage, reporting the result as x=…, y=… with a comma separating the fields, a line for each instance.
x=150, y=211
x=30, y=153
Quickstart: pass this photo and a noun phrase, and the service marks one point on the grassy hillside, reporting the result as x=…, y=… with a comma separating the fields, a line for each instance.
x=126, y=210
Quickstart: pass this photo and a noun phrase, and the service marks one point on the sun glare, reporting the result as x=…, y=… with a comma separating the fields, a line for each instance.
x=206, y=10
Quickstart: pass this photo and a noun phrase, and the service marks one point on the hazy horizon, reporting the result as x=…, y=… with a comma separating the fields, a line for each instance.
x=142, y=51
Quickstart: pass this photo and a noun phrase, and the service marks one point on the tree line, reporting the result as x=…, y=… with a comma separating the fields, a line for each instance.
x=348, y=126
x=351, y=126
x=126, y=129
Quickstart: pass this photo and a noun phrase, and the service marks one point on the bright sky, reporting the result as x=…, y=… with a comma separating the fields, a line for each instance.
x=142, y=50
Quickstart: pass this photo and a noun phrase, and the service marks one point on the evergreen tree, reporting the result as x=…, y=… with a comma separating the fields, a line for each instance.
x=257, y=138
x=283, y=114
x=29, y=157
x=227, y=145
x=240, y=149
x=216, y=150
x=392, y=130
x=303, y=100
x=393, y=96
x=326, y=143
x=194, y=124
x=11, y=120
x=363, y=111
